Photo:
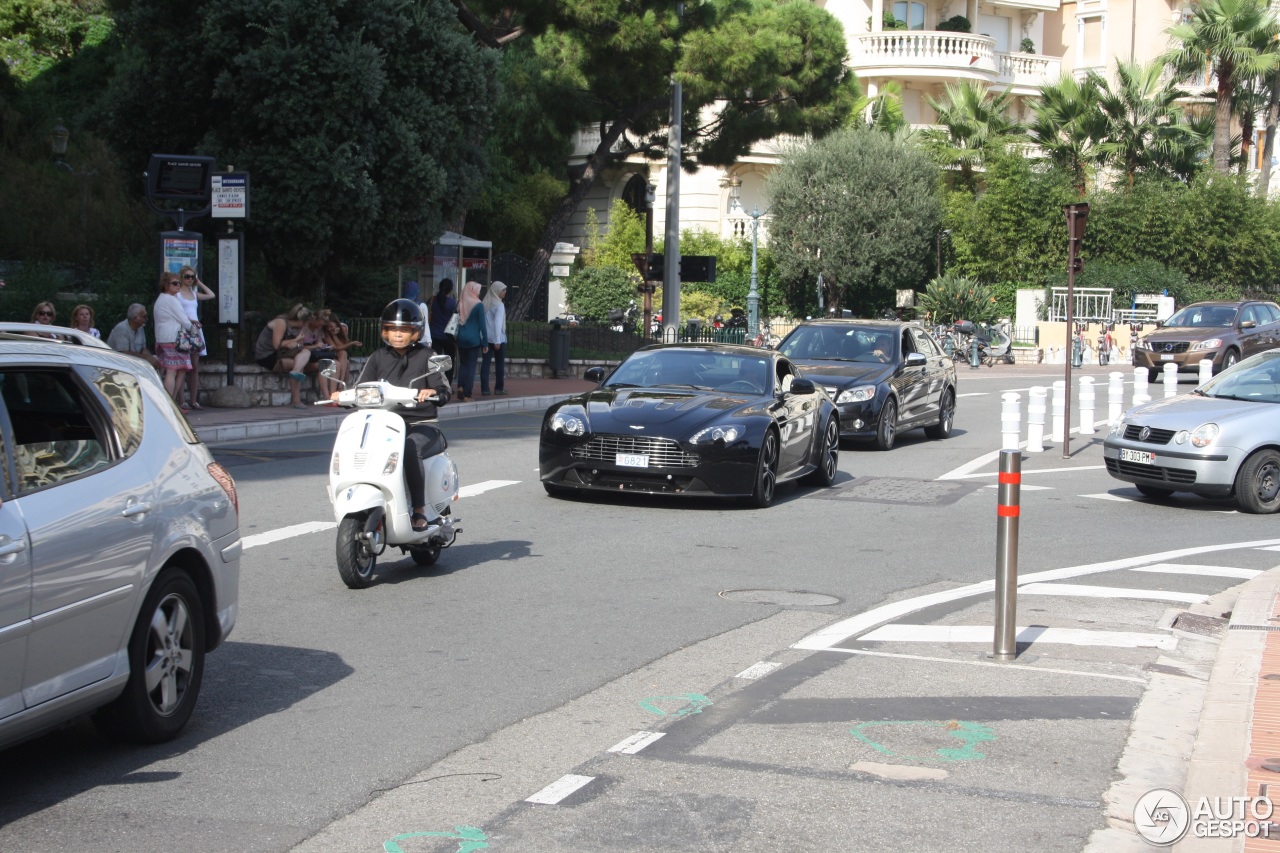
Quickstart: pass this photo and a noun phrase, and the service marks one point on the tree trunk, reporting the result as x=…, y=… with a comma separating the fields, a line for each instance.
x=1246, y=140
x=1269, y=141
x=1222, y=121
x=578, y=189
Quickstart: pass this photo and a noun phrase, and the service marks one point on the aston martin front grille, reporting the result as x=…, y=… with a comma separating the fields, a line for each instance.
x=662, y=452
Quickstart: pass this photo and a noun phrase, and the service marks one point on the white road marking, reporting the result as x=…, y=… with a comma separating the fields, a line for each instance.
x=1083, y=591
x=559, y=789
x=635, y=743
x=286, y=533
x=840, y=631
x=758, y=670
x=1107, y=496
x=974, y=394
x=1026, y=473
x=1004, y=666
x=967, y=469
x=1023, y=634
x=1211, y=571
x=1270, y=548
x=482, y=487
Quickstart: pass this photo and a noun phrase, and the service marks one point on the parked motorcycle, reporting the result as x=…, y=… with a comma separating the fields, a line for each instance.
x=367, y=485
x=623, y=319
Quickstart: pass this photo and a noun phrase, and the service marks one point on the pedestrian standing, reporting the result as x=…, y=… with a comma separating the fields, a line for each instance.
x=193, y=292
x=171, y=318
x=412, y=292
x=443, y=307
x=473, y=337
x=495, y=320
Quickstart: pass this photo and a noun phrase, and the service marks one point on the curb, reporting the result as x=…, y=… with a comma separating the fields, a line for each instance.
x=213, y=434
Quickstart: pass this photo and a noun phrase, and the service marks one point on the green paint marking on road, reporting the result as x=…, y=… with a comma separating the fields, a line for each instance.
x=469, y=838
x=970, y=734
x=692, y=703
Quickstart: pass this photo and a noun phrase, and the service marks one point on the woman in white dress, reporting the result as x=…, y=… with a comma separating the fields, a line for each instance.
x=194, y=291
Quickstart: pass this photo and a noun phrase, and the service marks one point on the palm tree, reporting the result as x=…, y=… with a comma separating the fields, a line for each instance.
x=1235, y=39
x=882, y=112
x=1145, y=128
x=1069, y=126
x=973, y=123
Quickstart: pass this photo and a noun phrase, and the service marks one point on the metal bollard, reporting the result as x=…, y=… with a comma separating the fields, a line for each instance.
x=974, y=361
x=1206, y=370
x=1087, y=405
x=1115, y=396
x=1011, y=419
x=1036, y=407
x=1007, y=511
x=1170, y=379
x=1059, y=431
x=1141, y=394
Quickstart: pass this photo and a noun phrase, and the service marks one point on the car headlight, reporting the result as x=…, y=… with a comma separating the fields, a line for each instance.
x=1141, y=343
x=1212, y=343
x=1117, y=428
x=568, y=422
x=727, y=434
x=857, y=394
x=1204, y=435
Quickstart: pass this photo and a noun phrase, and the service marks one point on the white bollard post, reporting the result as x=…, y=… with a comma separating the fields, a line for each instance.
x=1115, y=396
x=1036, y=400
x=1141, y=391
x=1011, y=420
x=1059, y=431
x=1087, y=405
x=1170, y=379
x=1206, y=370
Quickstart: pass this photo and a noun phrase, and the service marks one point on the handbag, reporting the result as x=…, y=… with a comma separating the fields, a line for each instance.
x=186, y=341
x=324, y=352
x=451, y=328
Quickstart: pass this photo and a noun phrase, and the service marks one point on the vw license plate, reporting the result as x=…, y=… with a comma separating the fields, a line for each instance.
x=631, y=460
x=1140, y=456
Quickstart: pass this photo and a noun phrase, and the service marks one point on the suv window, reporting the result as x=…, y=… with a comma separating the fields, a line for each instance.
x=1267, y=313
x=58, y=429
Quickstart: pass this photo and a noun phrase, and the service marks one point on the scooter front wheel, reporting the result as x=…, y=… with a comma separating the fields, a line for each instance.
x=356, y=560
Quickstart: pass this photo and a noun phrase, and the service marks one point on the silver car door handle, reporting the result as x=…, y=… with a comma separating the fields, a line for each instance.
x=137, y=509
x=13, y=546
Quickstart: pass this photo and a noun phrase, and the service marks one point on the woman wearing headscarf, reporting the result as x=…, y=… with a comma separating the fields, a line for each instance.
x=495, y=322
x=442, y=307
x=473, y=337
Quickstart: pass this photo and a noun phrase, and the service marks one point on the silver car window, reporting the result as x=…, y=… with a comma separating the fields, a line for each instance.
x=123, y=397
x=57, y=431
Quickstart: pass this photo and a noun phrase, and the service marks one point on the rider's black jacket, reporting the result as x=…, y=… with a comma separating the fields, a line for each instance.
x=386, y=363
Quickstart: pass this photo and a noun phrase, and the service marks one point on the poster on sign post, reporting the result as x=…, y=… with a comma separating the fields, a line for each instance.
x=230, y=195
x=230, y=275
x=179, y=249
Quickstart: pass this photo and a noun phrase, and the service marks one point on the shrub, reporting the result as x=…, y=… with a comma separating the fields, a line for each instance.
x=953, y=297
x=955, y=24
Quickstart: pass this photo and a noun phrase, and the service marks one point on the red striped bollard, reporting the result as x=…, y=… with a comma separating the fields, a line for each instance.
x=1007, y=511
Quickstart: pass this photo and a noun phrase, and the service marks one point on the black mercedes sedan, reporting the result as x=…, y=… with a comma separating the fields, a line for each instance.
x=692, y=419
x=885, y=376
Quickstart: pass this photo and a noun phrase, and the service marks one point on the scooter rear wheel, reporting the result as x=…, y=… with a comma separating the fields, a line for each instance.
x=355, y=560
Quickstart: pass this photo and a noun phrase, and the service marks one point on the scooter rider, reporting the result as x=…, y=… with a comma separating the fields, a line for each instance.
x=404, y=359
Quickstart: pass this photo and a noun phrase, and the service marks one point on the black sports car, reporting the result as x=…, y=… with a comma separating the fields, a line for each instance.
x=884, y=376
x=692, y=419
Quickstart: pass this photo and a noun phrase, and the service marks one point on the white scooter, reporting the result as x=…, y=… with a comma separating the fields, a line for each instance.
x=366, y=482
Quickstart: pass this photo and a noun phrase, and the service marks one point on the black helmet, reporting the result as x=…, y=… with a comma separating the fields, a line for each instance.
x=403, y=312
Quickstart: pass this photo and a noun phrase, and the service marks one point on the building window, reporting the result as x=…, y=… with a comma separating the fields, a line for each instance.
x=910, y=13
x=1090, y=50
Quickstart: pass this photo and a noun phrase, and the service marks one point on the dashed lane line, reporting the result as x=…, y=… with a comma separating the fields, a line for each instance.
x=559, y=789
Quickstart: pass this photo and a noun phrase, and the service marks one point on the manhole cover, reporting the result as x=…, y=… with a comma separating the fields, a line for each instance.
x=779, y=597
x=896, y=490
x=1196, y=624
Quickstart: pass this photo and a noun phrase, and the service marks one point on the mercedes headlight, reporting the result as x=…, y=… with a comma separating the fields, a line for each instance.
x=857, y=394
x=727, y=434
x=568, y=422
x=1212, y=343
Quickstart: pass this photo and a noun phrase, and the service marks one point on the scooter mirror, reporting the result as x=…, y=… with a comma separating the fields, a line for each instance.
x=441, y=363
x=328, y=368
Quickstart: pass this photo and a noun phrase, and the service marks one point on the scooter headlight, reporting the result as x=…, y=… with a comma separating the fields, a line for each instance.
x=368, y=395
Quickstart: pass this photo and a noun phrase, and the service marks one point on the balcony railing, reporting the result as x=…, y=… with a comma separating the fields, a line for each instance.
x=925, y=50
x=1027, y=70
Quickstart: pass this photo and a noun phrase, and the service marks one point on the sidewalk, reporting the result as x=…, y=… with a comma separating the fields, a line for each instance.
x=215, y=426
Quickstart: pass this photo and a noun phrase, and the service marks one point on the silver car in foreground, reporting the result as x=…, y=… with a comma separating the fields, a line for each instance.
x=119, y=542
x=1220, y=440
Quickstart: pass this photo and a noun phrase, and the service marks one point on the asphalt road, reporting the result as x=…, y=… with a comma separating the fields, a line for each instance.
x=438, y=700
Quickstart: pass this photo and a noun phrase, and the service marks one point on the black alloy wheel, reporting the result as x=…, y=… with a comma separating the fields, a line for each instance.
x=766, y=471
x=828, y=461
x=1258, y=483
x=887, y=431
x=946, y=417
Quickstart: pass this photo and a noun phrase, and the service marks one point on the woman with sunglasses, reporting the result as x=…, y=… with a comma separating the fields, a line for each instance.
x=44, y=314
x=170, y=318
x=192, y=292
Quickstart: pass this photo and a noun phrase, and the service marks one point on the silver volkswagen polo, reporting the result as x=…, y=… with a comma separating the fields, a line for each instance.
x=1222, y=439
x=119, y=542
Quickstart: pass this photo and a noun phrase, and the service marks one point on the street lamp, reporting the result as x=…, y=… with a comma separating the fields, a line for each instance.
x=58, y=143
x=753, y=294
x=941, y=234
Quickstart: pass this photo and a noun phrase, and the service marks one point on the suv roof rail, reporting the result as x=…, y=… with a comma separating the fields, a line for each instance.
x=42, y=332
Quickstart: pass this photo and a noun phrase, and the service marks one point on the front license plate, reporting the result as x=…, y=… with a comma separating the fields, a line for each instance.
x=631, y=460
x=1167, y=356
x=1140, y=456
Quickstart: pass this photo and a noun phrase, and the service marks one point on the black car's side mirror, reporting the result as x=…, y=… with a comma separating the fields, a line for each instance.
x=916, y=359
x=802, y=386
x=594, y=374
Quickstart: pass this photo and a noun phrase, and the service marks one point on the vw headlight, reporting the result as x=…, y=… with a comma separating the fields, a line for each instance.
x=1117, y=428
x=857, y=394
x=727, y=434
x=1212, y=343
x=1204, y=435
x=568, y=422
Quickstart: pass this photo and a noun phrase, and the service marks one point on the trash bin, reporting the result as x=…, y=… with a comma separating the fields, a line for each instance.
x=693, y=329
x=558, y=356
